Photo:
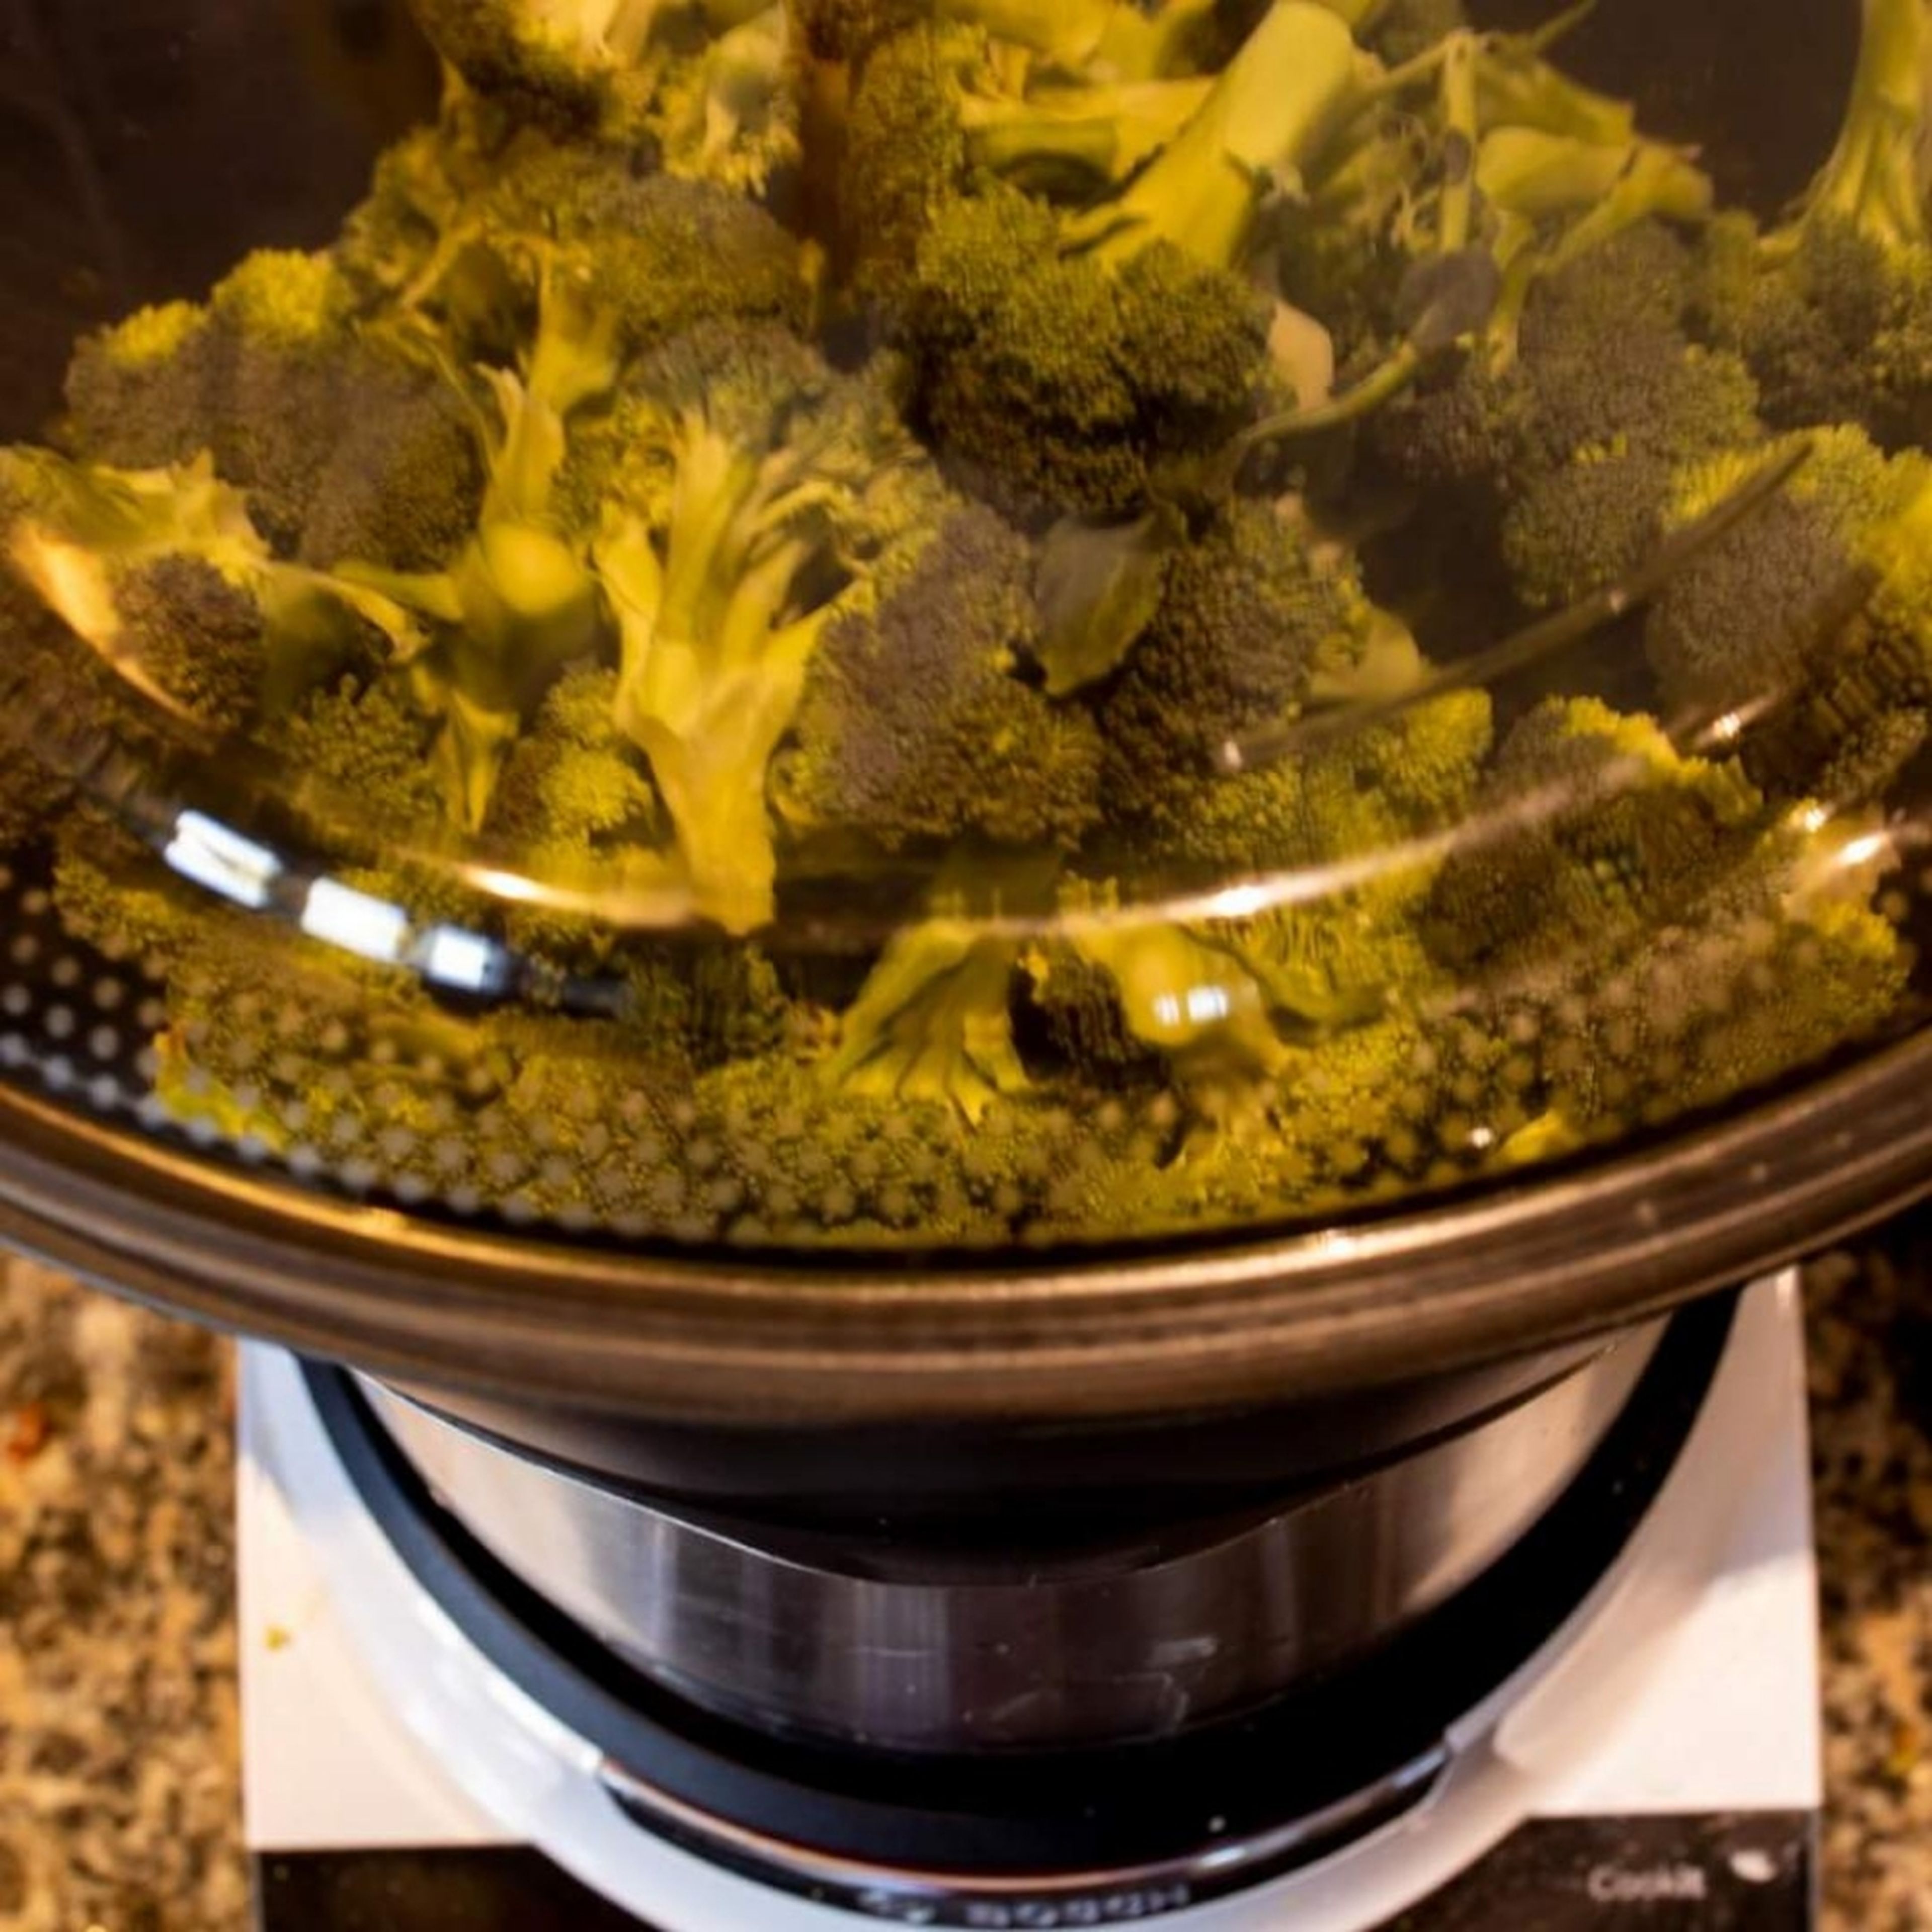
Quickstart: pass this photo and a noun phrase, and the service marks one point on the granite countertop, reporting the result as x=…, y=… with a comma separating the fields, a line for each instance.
x=119, y=1801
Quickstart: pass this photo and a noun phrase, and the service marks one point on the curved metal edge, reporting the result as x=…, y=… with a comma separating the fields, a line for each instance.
x=1122, y=1894
x=689, y=1341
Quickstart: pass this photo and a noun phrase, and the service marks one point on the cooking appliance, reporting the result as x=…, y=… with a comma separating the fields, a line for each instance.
x=1651, y=1744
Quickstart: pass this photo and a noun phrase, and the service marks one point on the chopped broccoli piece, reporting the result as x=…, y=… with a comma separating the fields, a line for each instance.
x=1833, y=308
x=1783, y=961
x=1811, y=623
x=1590, y=824
x=757, y=495
x=701, y=84
x=162, y=575
x=1052, y=383
x=561, y=62
x=1246, y=615
x=1065, y=357
x=365, y=743
x=274, y=383
x=577, y=810
x=1251, y=617
x=915, y=723
x=1573, y=447
x=934, y=1021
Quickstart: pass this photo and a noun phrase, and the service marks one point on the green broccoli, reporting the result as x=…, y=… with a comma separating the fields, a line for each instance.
x=701, y=84
x=917, y=723
x=577, y=812
x=276, y=382
x=1247, y=614
x=1833, y=308
x=1050, y=383
x=358, y=742
x=1589, y=825
x=1573, y=446
x=614, y=266
x=164, y=576
x=1780, y=961
x=1065, y=358
x=35, y=660
x=747, y=460
x=554, y=57
x=757, y=494
x=1256, y=625
x=1805, y=633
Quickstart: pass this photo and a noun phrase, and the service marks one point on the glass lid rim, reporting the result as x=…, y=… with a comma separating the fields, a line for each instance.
x=1247, y=1320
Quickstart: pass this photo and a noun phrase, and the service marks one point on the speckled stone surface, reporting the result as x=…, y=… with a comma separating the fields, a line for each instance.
x=118, y=1804
x=1871, y=1407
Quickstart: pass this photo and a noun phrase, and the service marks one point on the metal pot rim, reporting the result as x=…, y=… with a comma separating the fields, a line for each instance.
x=754, y=1342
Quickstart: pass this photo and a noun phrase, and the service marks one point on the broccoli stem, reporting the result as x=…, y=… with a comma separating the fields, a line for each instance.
x=1873, y=177
x=1063, y=30
x=934, y=1020
x=1267, y=117
x=1437, y=328
x=1101, y=134
x=1461, y=131
x=711, y=670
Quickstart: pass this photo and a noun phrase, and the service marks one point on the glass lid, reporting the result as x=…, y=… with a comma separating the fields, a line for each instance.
x=945, y=625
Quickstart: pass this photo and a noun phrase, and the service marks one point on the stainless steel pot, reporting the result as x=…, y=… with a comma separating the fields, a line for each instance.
x=908, y=1646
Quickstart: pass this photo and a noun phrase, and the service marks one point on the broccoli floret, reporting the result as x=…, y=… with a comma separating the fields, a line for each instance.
x=711, y=1003
x=279, y=380
x=567, y=64
x=1573, y=447
x=1065, y=359
x=1590, y=824
x=1248, y=613
x=617, y=261
x=332, y=436
x=402, y=487
x=917, y=723
x=1833, y=308
x=35, y=664
x=574, y=782
x=1350, y=821
x=1809, y=625
x=613, y=264
x=1605, y=360
x=1052, y=383
x=1196, y=1001
x=577, y=812
x=363, y=742
x=1071, y=1019
x=162, y=575
x=757, y=494
x=197, y=635
x=269, y=1036
x=1781, y=962
x=700, y=85
x=935, y=103
x=1583, y=525
x=140, y=393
